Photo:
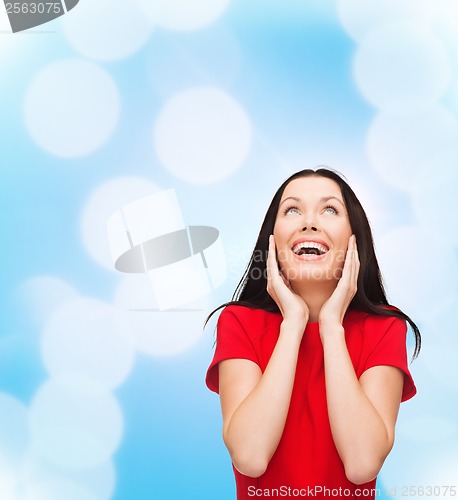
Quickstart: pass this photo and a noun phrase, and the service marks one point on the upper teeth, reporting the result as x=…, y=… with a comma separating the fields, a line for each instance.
x=309, y=244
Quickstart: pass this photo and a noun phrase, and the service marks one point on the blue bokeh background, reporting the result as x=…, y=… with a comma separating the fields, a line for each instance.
x=301, y=74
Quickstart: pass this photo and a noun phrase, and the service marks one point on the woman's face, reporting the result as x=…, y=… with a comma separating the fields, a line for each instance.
x=312, y=230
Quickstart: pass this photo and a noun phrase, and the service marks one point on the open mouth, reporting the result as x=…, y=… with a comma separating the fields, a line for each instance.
x=310, y=248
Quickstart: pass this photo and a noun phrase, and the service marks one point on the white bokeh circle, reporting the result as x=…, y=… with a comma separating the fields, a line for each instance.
x=442, y=322
x=8, y=480
x=428, y=429
x=434, y=194
x=107, y=30
x=183, y=15
x=59, y=490
x=71, y=108
x=202, y=135
x=75, y=422
x=444, y=470
x=440, y=360
x=213, y=55
x=5, y=25
x=360, y=17
x=14, y=428
x=444, y=25
x=42, y=295
x=445, y=17
x=402, y=67
x=441, y=351
x=401, y=146
x=159, y=333
x=36, y=469
x=417, y=283
x=90, y=338
x=12, y=49
x=102, y=203
x=430, y=471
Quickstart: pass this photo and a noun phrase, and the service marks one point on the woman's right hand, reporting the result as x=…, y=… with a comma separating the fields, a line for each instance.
x=292, y=306
x=246, y=392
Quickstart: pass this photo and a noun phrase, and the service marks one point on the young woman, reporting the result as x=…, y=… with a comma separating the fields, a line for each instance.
x=310, y=361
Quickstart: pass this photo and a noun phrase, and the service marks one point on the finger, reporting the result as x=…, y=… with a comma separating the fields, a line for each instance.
x=358, y=263
x=285, y=280
x=357, y=253
x=347, y=266
x=355, y=267
x=351, y=266
x=271, y=265
x=270, y=255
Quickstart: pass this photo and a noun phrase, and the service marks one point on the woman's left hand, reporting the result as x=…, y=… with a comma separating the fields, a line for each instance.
x=333, y=310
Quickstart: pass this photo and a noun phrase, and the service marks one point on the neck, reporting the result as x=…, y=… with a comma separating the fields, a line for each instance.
x=314, y=294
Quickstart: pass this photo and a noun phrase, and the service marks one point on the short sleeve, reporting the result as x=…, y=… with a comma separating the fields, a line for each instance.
x=232, y=341
x=390, y=349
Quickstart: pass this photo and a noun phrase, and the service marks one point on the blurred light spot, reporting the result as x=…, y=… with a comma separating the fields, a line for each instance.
x=7, y=480
x=426, y=472
x=402, y=67
x=427, y=429
x=434, y=194
x=444, y=470
x=75, y=422
x=107, y=29
x=71, y=108
x=183, y=15
x=14, y=429
x=11, y=47
x=359, y=17
x=159, y=333
x=400, y=146
x=406, y=465
x=202, y=136
x=5, y=25
x=88, y=338
x=103, y=201
x=100, y=479
x=59, y=490
x=441, y=322
x=440, y=360
x=42, y=295
x=445, y=17
x=210, y=57
x=417, y=280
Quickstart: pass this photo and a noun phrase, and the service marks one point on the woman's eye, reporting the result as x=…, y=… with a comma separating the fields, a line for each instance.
x=330, y=210
x=290, y=210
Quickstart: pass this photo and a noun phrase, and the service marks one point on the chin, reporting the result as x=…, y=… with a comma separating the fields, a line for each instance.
x=318, y=274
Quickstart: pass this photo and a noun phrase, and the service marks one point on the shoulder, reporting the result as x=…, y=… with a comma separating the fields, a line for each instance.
x=373, y=335
x=243, y=333
x=247, y=314
x=378, y=326
x=367, y=332
x=253, y=321
x=383, y=342
x=375, y=323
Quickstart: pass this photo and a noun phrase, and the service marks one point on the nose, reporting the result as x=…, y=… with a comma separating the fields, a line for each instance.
x=313, y=228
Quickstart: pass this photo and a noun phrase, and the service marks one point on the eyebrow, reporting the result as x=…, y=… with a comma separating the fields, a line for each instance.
x=323, y=200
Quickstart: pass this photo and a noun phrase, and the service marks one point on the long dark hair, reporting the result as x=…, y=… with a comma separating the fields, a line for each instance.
x=370, y=296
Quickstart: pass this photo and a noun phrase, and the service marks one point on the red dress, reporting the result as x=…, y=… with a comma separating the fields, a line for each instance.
x=306, y=462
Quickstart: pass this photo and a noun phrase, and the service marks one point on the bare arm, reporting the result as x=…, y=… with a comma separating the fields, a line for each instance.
x=254, y=404
x=362, y=414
